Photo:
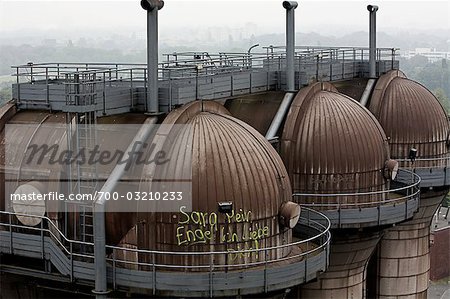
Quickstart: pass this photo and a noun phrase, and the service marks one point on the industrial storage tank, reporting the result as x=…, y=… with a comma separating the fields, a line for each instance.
x=331, y=144
x=233, y=165
x=412, y=117
x=241, y=207
x=337, y=157
x=24, y=173
x=418, y=131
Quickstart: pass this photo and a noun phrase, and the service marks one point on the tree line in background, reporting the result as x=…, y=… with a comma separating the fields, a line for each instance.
x=435, y=76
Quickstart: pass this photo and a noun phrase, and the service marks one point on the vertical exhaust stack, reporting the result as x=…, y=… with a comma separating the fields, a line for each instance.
x=290, y=7
x=152, y=7
x=372, y=40
x=372, y=54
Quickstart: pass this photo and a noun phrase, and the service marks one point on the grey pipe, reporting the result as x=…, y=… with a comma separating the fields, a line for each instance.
x=279, y=117
x=101, y=286
x=367, y=91
x=152, y=7
x=290, y=7
x=372, y=40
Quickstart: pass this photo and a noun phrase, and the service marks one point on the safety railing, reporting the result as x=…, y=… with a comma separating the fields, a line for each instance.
x=442, y=161
x=317, y=241
x=432, y=170
x=373, y=208
x=189, y=62
x=206, y=75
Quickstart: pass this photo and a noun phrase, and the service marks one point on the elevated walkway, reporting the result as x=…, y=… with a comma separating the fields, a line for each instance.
x=369, y=209
x=184, y=77
x=308, y=258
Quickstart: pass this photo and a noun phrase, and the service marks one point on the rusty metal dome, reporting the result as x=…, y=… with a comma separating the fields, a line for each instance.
x=331, y=144
x=231, y=162
x=412, y=117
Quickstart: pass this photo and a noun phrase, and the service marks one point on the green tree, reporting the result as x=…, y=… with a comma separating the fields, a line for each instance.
x=443, y=98
x=5, y=95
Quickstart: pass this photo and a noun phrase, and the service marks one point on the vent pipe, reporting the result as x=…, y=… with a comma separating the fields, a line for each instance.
x=152, y=7
x=290, y=7
x=372, y=40
x=101, y=283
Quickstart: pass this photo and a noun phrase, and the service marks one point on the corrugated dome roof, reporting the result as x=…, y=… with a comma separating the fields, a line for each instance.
x=230, y=161
x=411, y=116
x=331, y=144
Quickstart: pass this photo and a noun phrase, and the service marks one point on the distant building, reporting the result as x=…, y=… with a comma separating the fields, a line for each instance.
x=429, y=53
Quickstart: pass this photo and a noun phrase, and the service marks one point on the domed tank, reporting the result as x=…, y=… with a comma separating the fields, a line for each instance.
x=337, y=157
x=412, y=118
x=332, y=145
x=233, y=165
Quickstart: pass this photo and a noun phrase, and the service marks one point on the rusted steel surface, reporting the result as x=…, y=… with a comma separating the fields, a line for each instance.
x=231, y=162
x=16, y=171
x=39, y=131
x=6, y=112
x=353, y=88
x=258, y=110
x=411, y=116
x=331, y=144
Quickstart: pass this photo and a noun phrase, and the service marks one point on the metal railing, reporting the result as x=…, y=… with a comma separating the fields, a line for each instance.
x=368, y=209
x=187, y=63
x=196, y=68
x=361, y=200
x=310, y=246
x=425, y=163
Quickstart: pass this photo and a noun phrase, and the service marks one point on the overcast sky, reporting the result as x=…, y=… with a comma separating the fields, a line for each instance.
x=313, y=15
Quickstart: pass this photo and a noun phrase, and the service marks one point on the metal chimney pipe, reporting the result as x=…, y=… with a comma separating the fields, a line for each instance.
x=152, y=7
x=290, y=7
x=372, y=40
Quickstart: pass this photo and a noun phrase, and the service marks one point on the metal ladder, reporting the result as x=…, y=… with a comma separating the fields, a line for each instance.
x=81, y=98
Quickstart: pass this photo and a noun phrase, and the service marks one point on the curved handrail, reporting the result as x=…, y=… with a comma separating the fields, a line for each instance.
x=412, y=189
x=442, y=162
x=324, y=231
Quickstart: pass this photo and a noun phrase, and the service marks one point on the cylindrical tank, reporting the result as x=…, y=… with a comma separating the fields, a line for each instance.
x=6, y=112
x=231, y=163
x=41, y=128
x=333, y=145
x=23, y=130
x=412, y=118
